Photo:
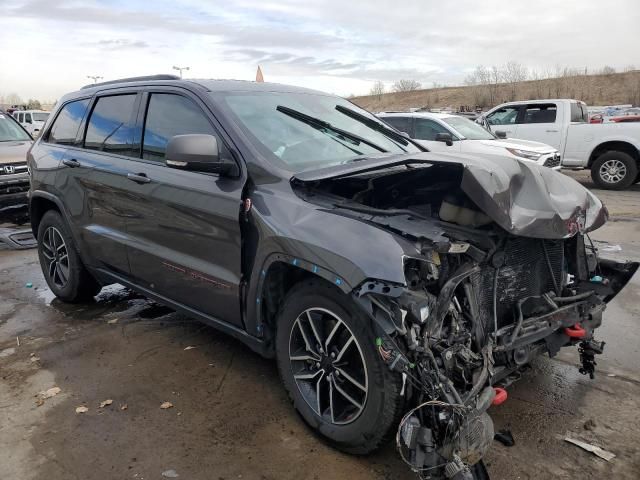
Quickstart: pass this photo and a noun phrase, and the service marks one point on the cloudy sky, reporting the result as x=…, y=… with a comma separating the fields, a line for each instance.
x=341, y=46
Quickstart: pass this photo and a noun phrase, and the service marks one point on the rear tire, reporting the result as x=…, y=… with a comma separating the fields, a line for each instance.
x=61, y=265
x=614, y=171
x=358, y=426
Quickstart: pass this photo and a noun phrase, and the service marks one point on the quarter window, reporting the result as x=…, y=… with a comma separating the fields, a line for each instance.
x=109, y=128
x=27, y=118
x=169, y=115
x=65, y=127
x=428, y=129
x=541, y=113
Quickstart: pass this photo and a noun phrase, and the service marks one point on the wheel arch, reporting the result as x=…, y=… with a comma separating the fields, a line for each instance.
x=39, y=204
x=281, y=273
x=614, y=146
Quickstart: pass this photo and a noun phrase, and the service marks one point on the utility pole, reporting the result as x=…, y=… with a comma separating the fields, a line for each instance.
x=95, y=78
x=180, y=69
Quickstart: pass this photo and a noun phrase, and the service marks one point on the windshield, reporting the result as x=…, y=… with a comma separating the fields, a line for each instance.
x=302, y=131
x=10, y=130
x=40, y=116
x=468, y=129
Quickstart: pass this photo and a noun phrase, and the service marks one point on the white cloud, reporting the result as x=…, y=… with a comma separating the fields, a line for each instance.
x=50, y=47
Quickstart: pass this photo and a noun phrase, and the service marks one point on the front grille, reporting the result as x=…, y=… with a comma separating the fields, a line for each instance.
x=13, y=168
x=525, y=273
x=11, y=188
x=552, y=161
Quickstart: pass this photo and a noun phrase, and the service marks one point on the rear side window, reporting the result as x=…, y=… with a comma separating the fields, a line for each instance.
x=428, y=129
x=579, y=113
x=109, y=128
x=399, y=123
x=27, y=118
x=65, y=127
x=169, y=115
x=541, y=113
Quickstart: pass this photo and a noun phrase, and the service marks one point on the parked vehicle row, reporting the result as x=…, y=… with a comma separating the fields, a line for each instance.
x=450, y=133
x=610, y=150
x=396, y=288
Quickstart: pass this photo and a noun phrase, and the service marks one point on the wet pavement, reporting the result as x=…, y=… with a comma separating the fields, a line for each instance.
x=230, y=416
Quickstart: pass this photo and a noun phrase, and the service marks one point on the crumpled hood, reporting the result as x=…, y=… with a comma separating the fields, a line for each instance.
x=519, y=144
x=522, y=197
x=14, y=151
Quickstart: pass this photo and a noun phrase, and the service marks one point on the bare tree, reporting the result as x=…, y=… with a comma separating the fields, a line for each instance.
x=33, y=104
x=377, y=90
x=629, y=68
x=514, y=73
x=607, y=70
x=405, y=85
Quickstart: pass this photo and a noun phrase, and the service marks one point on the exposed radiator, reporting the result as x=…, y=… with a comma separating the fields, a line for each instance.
x=524, y=273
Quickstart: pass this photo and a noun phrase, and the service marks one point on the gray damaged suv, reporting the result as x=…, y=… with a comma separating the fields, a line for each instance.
x=400, y=291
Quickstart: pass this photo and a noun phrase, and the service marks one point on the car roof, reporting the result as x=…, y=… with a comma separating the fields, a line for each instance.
x=417, y=115
x=208, y=85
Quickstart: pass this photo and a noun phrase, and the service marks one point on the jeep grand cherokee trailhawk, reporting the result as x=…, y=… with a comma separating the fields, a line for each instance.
x=398, y=289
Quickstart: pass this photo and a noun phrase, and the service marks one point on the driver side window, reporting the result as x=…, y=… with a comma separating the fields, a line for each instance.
x=428, y=129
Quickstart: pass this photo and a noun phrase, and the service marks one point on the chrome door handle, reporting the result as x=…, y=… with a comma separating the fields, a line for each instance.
x=551, y=131
x=71, y=162
x=138, y=177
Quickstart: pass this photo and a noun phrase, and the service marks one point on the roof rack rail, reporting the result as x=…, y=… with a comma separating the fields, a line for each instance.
x=134, y=79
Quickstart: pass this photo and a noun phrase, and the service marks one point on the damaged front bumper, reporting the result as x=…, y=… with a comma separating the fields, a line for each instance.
x=451, y=367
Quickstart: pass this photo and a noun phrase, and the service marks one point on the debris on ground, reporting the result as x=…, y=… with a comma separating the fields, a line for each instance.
x=7, y=351
x=189, y=347
x=82, y=409
x=18, y=340
x=29, y=285
x=505, y=438
x=34, y=358
x=612, y=248
x=589, y=424
x=105, y=403
x=112, y=321
x=42, y=396
x=608, y=456
x=124, y=406
x=170, y=474
x=166, y=405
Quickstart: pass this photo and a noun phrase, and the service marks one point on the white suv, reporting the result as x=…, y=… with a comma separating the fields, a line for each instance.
x=31, y=120
x=440, y=132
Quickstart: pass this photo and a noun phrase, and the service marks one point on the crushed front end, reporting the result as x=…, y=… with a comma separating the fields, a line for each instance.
x=480, y=300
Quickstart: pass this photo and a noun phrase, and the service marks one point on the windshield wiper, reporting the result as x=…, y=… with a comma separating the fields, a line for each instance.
x=374, y=125
x=321, y=124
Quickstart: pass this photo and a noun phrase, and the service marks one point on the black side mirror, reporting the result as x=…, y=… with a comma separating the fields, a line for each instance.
x=500, y=134
x=444, y=137
x=198, y=153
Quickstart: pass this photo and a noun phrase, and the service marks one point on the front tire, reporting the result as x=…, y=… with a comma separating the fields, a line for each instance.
x=61, y=265
x=331, y=370
x=614, y=171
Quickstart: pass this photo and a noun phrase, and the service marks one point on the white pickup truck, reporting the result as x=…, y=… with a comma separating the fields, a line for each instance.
x=610, y=150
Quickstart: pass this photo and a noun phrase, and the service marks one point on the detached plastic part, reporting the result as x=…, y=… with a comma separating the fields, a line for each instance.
x=575, y=332
x=501, y=396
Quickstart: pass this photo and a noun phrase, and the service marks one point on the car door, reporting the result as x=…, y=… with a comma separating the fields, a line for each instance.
x=186, y=229
x=425, y=131
x=541, y=122
x=107, y=148
x=505, y=119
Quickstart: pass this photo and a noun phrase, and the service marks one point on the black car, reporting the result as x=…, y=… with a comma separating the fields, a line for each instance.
x=398, y=290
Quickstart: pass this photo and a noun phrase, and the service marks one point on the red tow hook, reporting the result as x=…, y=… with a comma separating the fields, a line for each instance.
x=501, y=396
x=575, y=332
